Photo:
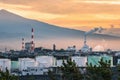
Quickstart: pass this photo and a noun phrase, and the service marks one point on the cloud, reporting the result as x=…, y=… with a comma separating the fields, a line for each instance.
x=66, y=7
x=67, y=12
x=63, y=7
x=15, y=1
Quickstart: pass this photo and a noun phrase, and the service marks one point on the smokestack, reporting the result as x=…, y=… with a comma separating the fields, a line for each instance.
x=32, y=40
x=23, y=44
x=54, y=47
x=99, y=29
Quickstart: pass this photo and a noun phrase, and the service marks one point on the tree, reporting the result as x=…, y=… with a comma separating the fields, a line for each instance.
x=70, y=70
x=51, y=75
x=118, y=71
x=7, y=76
x=30, y=77
x=101, y=72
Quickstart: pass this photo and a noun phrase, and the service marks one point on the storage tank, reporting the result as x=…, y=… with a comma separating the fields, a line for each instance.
x=60, y=62
x=80, y=61
x=107, y=58
x=94, y=60
x=5, y=63
x=14, y=65
x=47, y=61
x=24, y=63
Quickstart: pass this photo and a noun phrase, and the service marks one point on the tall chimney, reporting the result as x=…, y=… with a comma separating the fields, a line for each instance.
x=23, y=44
x=32, y=40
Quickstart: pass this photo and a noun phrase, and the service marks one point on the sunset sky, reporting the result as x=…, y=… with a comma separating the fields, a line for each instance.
x=75, y=14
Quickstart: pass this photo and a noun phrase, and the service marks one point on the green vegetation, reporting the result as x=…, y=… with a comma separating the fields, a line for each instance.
x=118, y=69
x=101, y=72
x=51, y=75
x=6, y=76
x=70, y=71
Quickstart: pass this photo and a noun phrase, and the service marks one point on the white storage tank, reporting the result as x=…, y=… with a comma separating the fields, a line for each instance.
x=46, y=61
x=24, y=63
x=59, y=63
x=5, y=63
x=80, y=61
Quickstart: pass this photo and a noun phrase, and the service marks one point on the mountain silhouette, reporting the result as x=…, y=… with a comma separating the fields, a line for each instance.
x=14, y=27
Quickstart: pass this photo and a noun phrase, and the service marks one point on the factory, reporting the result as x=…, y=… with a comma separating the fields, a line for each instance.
x=48, y=59
x=86, y=48
x=71, y=48
x=41, y=64
x=29, y=46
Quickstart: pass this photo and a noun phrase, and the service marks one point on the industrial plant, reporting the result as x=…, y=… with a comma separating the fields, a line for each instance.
x=37, y=61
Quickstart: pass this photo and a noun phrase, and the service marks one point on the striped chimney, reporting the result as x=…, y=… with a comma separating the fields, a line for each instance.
x=32, y=40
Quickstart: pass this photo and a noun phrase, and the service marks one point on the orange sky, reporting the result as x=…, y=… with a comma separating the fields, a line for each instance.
x=77, y=14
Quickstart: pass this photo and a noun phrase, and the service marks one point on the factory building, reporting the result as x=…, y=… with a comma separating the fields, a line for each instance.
x=86, y=48
x=35, y=71
x=29, y=46
x=71, y=48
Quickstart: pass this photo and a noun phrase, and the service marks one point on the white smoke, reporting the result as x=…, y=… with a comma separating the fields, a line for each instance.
x=99, y=29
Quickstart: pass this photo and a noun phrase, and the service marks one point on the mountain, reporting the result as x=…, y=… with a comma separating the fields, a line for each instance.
x=112, y=31
x=14, y=27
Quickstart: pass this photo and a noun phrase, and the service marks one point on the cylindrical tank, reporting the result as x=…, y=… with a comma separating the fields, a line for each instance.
x=5, y=63
x=80, y=61
x=94, y=60
x=107, y=58
x=59, y=63
x=47, y=61
x=24, y=63
x=14, y=65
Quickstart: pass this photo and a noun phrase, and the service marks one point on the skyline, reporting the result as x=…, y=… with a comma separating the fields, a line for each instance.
x=46, y=35
x=74, y=14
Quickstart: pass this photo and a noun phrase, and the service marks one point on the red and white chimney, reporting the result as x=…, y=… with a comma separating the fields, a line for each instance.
x=32, y=40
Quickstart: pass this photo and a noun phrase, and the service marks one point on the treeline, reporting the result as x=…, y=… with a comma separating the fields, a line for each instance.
x=7, y=76
x=102, y=71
